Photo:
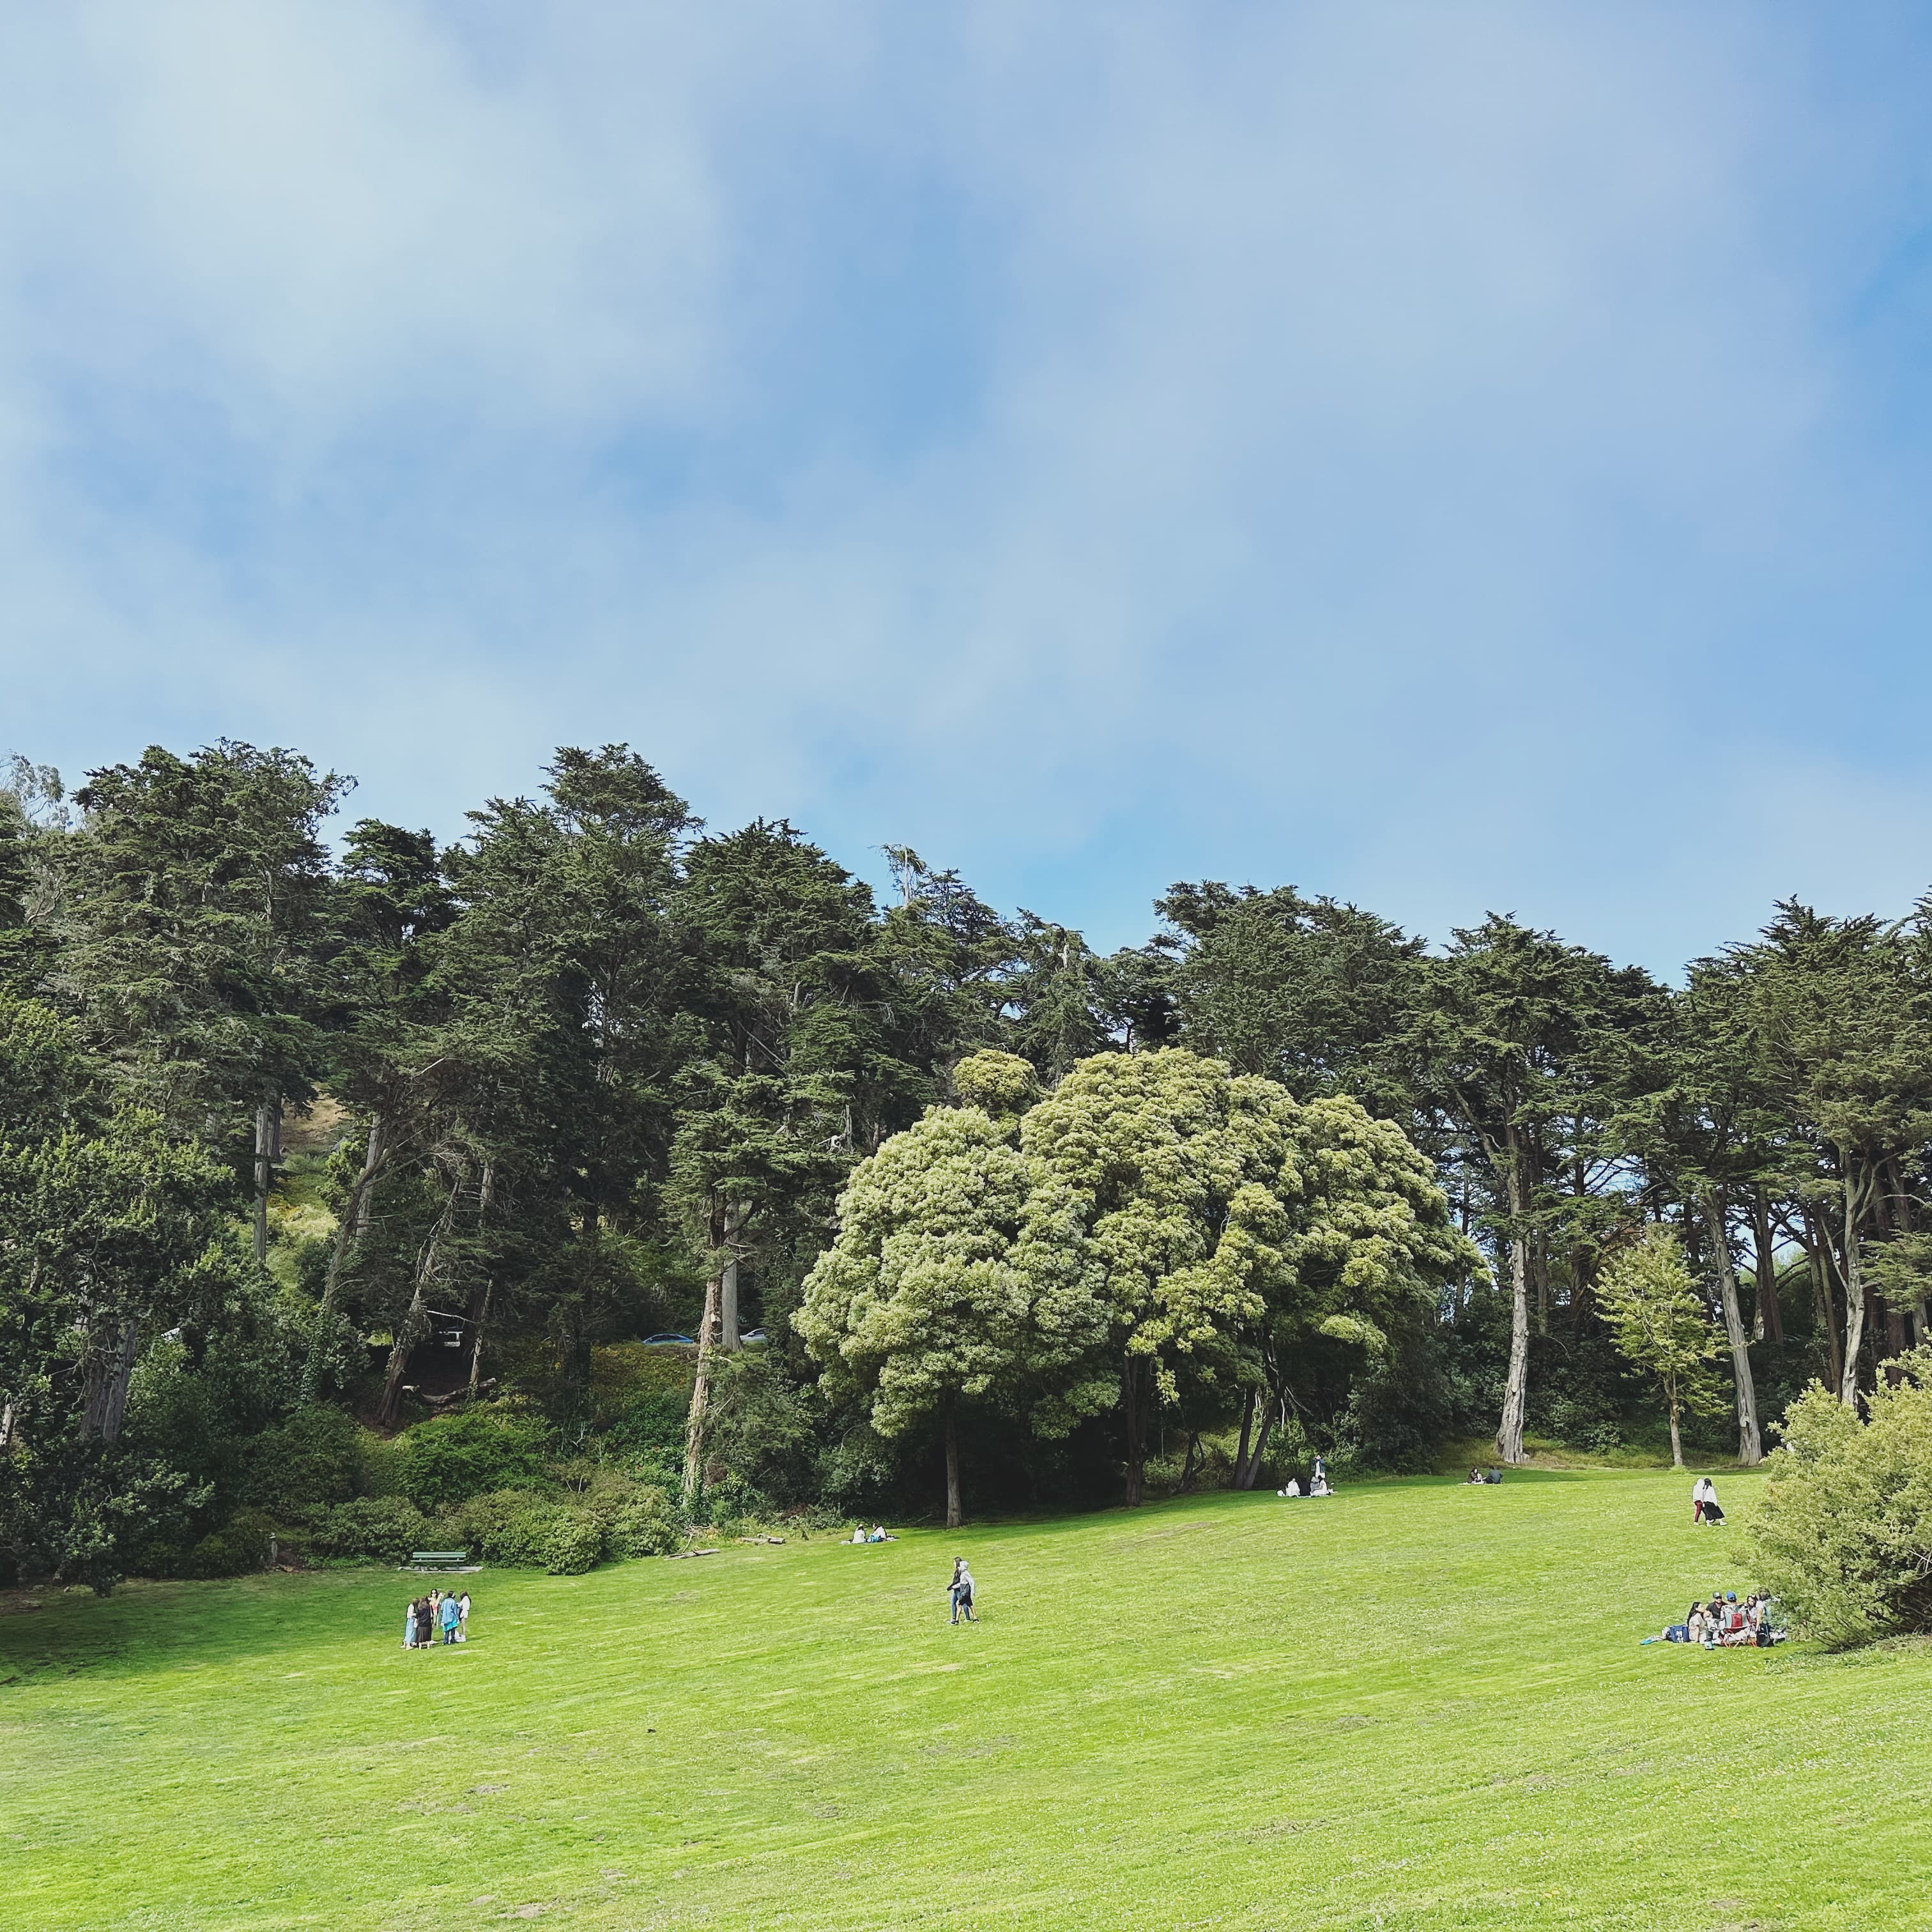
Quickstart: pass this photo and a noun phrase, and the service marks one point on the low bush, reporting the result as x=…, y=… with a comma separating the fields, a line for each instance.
x=511, y=1527
x=313, y=1457
x=1842, y=1532
x=237, y=1548
x=388, y=1528
x=646, y=1526
x=446, y=1460
x=575, y=1543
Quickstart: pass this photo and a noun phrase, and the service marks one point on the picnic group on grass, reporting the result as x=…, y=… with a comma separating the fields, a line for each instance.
x=441, y=1614
x=1724, y=1623
x=1318, y=1483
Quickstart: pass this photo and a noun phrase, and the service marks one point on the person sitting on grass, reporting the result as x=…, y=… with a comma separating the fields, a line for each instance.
x=1476, y=1476
x=1293, y=1488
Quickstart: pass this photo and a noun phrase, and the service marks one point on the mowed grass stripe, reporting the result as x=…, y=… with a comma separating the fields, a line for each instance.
x=1415, y=1704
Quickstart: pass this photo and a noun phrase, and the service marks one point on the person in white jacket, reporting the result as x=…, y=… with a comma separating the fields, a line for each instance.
x=1704, y=1501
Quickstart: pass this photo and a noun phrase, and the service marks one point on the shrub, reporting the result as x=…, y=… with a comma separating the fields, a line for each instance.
x=312, y=1457
x=1842, y=1533
x=575, y=1543
x=449, y=1459
x=388, y=1528
x=646, y=1526
x=511, y=1527
x=238, y=1547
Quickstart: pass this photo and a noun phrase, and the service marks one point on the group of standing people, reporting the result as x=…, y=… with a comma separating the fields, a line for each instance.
x=441, y=1614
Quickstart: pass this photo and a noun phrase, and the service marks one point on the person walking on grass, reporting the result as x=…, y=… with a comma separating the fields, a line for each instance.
x=960, y=1590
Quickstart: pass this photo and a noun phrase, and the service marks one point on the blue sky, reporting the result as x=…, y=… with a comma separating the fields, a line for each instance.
x=1455, y=457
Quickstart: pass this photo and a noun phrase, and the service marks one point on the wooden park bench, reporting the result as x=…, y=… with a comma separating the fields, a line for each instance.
x=439, y=1559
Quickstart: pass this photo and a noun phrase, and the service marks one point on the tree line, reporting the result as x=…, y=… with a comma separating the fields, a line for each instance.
x=601, y=1069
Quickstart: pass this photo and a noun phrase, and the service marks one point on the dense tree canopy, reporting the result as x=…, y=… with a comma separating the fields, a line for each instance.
x=1284, y=1179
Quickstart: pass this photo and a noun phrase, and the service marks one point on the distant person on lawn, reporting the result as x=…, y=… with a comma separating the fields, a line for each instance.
x=425, y=1622
x=462, y=1618
x=410, y=1625
x=450, y=1617
x=960, y=1590
x=1704, y=1501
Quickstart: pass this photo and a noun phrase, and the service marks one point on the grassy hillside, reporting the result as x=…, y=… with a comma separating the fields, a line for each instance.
x=1415, y=1705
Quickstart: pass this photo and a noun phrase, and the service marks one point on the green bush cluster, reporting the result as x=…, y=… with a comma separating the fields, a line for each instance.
x=387, y=1528
x=609, y=1515
x=1842, y=1532
x=446, y=1461
x=240, y=1546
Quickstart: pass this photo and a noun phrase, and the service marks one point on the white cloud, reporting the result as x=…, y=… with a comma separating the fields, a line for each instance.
x=1361, y=446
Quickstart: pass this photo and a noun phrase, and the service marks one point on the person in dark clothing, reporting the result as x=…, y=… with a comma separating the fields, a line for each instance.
x=425, y=1622
x=961, y=1591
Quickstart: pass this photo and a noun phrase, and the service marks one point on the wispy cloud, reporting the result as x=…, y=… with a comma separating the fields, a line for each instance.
x=1454, y=457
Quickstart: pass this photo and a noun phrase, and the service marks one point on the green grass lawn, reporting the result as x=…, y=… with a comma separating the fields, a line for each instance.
x=1414, y=1704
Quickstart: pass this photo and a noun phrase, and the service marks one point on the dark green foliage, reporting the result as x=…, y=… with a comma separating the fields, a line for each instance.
x=574, y=1544
x=388, y=1529
x=239, y=1547
x=311, y=1458
x=647, y=1525
x=446, y=1461
x=589, y=1072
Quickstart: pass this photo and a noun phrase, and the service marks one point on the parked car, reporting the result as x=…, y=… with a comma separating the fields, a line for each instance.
x=753, y=1335
x=670, y=1342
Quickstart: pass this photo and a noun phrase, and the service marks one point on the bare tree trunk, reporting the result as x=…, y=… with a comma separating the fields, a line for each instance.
x=486, y=1199
x=1250, y=1473
x=1817, y=1259
x=700, y=1387
x=476, y=1343
x=1241, y=1481
x=268, y=1134
x=1750, y=1451
x=1132, y=1377
x=412, y=1322
x=1676, y=1443
x=1515, y=1391
x=952, y=1512
x=1189, y=1472
x=355, y=1219
x=104, y=1403
x=728, y=1306
x=1855, y=1298
x=1770, y=1323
